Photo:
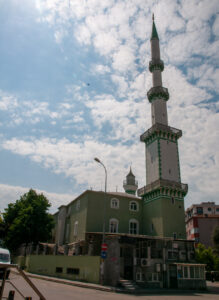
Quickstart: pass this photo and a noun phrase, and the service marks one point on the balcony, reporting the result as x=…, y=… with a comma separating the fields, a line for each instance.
x=160, y=128
x=158, y=92
x=130, y=182
x=162, y=183
x=156, y=64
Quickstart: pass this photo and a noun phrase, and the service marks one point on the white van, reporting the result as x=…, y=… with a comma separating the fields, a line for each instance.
x=4, y=259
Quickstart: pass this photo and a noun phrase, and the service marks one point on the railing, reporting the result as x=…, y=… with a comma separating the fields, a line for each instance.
x=161, y=127
x=134, y=182
x=8, y=266
x=163, y=183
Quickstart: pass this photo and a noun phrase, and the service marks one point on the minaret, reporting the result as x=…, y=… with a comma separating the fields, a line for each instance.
x=130, y=185
x=164, y=193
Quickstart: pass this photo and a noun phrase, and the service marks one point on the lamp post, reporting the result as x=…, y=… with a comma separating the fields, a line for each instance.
x=104, y=204
x=104, y=216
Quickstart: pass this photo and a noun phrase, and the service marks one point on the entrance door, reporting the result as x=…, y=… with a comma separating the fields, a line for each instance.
x=128, y=262
x=173, y=276
x=128, y=272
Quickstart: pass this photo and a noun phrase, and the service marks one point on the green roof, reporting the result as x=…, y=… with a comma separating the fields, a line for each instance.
x=154, y=34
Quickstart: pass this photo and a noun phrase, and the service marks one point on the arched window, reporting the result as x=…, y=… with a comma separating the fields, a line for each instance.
x=133, y=205
x=114, y=203
x=78, y=204
x=76, y=228
x=113, y=225
x=133, y=226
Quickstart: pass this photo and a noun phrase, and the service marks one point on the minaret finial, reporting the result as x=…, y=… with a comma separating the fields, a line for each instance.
x=153, y=17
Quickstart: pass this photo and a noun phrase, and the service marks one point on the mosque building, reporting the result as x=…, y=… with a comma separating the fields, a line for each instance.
x=143, y=236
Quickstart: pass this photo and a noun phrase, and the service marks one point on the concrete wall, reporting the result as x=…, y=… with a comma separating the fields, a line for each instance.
x=152, y=162
x=165, y=216
x=78, y=213
x=89, y=266
x=159, y=112
x=169, y=160
x=206, y=228
x=193, y=284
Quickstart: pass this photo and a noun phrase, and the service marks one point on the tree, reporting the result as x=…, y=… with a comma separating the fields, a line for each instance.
x=2, y=231
x=215, y=238
x=27, y=220
x=206, y=256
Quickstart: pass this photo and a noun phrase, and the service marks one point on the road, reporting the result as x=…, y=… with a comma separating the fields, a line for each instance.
x=57, y=291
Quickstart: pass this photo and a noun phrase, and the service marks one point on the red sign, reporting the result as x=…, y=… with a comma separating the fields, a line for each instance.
x=104, y=247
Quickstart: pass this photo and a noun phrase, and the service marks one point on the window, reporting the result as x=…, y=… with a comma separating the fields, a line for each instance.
x=185, y=272
x=76, y=228
x=113, y=225
x=172, y=254
x=4, y=258
x=78, y=204
x=58, y=270
x=174, y=235
x=114, y=203
x=133, y=226
x=217, y=209
x=209, y=208
x=73, y=271
x=191, y=272
x=199, y=210
x=133, y=206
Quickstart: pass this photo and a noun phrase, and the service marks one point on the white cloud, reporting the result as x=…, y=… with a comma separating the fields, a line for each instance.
x=7, y=102
x=100, y=69
x=124, y=59
x=216, y=26
x=10, y=193
x=119, y=31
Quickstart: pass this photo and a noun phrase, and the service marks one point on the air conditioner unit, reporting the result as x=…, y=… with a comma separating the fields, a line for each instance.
x=175, y=245
x=144, y=262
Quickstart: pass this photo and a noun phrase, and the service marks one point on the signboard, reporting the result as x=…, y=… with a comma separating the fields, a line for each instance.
x=103, y=254
x=104, y=247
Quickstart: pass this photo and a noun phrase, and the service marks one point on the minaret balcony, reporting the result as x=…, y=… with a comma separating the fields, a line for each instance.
x=158, y=92
x=156, y=64
x=163, y=187
x=160, y=131
x=128, y=182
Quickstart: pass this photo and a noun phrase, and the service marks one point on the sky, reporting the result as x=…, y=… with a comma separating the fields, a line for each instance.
x=73, y=82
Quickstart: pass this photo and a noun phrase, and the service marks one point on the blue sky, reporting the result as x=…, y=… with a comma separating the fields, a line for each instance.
x=73, y=82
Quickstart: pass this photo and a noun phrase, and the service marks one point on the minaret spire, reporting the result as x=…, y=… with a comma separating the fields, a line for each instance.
x=157, y=95
x=154, y=34
x=130, y=185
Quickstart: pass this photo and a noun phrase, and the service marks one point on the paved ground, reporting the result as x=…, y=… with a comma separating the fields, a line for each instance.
x=58, y=291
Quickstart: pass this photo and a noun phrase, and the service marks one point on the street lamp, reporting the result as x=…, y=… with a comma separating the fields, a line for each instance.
x=104, y=219
x=104, y=204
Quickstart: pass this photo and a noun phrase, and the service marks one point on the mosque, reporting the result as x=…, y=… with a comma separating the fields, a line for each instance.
x=142, y=231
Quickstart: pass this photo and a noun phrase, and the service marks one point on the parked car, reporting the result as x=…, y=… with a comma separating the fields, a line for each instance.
x=4, y=259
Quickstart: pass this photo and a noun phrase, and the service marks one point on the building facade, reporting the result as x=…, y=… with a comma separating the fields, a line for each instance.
x=201, y=220
x=85, y=214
